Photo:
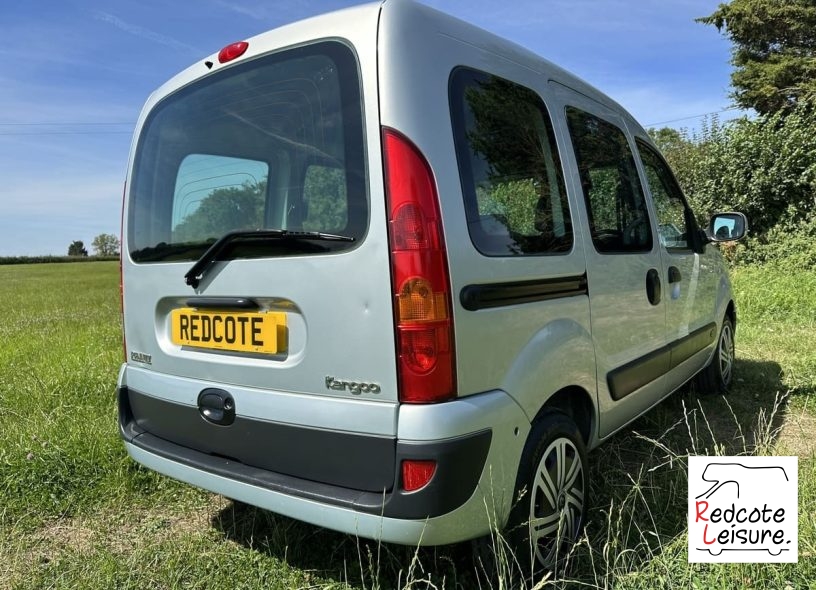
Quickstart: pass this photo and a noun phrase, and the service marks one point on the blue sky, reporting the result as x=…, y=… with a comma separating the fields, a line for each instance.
x=74, y=75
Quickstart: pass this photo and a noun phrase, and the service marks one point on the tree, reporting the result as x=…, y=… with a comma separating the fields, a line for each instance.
x=764, y=167
x=774, y=53
x=223, y=210
x=508, y=135
x=106, y=245
x=668, y=140
x=324, y=191
x=77, y=248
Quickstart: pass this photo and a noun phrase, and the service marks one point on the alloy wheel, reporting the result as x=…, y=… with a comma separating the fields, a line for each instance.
x=556, y=502
x=726, y=353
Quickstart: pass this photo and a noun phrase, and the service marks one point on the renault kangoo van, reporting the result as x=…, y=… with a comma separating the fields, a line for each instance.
x=389, y=274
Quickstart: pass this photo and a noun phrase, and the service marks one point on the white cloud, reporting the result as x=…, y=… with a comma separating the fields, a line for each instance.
x=76, y=196
x=44, y=216
x=666, y=106
x=146, y=33
x=60, y=182
x=256, y=12
x=573, y=17
x=23, y=102
x=273, y=13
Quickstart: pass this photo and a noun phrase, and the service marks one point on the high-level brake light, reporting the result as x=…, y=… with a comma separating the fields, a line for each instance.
x=232, y=51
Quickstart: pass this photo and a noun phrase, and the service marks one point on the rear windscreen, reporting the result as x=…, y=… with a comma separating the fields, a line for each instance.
x=272, y=143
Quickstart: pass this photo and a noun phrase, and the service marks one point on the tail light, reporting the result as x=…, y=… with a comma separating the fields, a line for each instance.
x=419, y=275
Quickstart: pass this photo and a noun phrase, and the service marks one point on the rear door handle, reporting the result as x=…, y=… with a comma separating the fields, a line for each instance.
x=653, y=286
x=674, y=275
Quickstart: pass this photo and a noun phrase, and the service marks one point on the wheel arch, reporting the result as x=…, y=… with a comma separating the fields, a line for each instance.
x=577, y=404
x=555, y=371
x=731, y=312
x=552, y=425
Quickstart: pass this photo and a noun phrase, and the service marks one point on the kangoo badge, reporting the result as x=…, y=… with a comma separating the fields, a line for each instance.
x=743, y=509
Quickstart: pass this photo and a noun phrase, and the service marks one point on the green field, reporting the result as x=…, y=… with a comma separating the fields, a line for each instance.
x=75, y=512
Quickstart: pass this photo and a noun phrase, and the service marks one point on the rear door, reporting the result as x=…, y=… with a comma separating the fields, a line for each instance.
x=623, y=263
x=278, y=143
x=524, y=276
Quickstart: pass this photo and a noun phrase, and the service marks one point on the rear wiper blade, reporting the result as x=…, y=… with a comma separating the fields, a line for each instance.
x=199, y=269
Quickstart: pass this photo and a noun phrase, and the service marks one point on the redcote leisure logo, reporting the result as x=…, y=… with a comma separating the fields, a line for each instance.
x=743, y=509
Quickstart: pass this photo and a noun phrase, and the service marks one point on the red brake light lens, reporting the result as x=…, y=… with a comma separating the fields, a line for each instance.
x=232, y=51
x=409, y=230
x=417, y=474
x=419, y=274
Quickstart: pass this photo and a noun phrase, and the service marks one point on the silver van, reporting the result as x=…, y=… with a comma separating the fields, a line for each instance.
x=389, y=274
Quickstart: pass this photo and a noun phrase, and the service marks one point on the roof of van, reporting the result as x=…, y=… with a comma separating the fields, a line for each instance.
x=411, y=12
x=478, y=37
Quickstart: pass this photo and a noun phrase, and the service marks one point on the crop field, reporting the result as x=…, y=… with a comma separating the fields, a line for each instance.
x=76, y=512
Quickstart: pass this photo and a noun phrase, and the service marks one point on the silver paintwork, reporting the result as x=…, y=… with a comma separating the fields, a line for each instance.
x=521, y=355
x=337, y=305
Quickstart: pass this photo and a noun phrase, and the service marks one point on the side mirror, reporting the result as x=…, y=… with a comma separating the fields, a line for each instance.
x=727, y=227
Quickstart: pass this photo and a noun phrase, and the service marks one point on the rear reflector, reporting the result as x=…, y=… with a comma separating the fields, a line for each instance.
x=232, y=51
x=419, y=275
x=416, y=474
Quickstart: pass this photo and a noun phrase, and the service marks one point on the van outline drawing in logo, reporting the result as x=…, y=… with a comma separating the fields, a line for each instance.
x=743, y=510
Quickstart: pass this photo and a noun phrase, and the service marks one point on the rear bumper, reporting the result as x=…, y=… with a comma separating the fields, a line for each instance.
x=334, y=468
x=456, y=526
x=477, y=441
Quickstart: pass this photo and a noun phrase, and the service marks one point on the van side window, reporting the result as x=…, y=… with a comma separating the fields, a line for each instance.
x=673, y=216
x=618, y=217
x=509, y=167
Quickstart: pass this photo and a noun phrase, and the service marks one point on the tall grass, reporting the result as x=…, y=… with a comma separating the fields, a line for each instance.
x=75, y=512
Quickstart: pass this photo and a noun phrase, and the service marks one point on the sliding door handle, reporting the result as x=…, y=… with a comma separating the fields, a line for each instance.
x=674, y=275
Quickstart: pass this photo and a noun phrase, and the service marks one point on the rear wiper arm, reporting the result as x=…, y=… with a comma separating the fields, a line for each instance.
x=199, y=269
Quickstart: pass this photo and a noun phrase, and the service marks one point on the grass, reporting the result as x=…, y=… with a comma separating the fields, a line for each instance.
x=75, y=512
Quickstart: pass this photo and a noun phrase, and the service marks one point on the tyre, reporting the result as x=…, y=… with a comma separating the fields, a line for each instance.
x=716, y=377
x=550, y=497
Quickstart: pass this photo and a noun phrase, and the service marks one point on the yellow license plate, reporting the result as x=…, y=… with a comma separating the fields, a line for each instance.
x=260, y=332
